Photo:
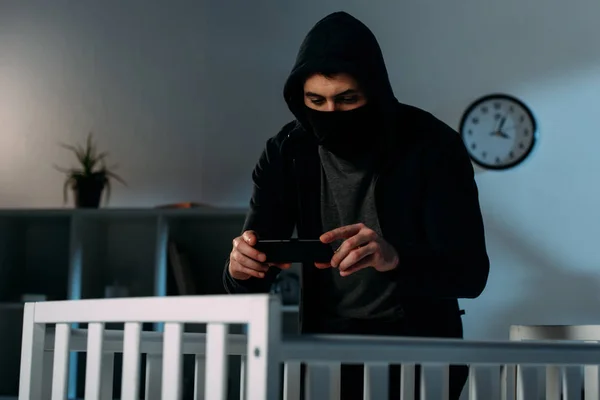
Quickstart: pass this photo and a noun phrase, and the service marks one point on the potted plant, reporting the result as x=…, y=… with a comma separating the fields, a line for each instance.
x=91, y=177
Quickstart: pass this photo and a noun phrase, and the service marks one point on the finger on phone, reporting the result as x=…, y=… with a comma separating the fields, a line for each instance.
x=248, y=262
x=251, y=252
x=249, y=237
x=322, y=265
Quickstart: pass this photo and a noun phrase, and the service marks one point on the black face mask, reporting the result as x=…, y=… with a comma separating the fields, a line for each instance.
x=346, y=133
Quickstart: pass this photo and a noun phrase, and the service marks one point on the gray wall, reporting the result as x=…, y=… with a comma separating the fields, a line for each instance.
x=185, y=93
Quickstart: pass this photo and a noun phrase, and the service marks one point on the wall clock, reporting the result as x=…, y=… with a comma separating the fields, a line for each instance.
x=499, y=131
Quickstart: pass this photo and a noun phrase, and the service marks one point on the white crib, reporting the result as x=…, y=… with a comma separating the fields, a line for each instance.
x=557, y=379
x=45, y=352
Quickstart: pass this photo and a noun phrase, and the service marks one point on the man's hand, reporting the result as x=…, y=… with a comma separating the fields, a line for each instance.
x=246, y=262
x=362, y=248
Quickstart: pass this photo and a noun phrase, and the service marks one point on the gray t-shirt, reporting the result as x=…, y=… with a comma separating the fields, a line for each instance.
x=348, y=197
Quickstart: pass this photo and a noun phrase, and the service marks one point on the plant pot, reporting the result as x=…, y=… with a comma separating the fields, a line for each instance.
x=88, y=193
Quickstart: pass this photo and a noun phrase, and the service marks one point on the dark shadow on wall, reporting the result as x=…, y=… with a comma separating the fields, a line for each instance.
x=547, y=293
x=551, y=293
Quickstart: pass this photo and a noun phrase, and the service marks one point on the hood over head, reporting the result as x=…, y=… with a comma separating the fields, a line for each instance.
x=340, y=43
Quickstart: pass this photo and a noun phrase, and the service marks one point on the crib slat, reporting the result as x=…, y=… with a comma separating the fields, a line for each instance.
x=32, y=354
x=376, y=381
x=153, y=376
x=216, y=359
x=473, y=389
x=528, y=382
x=291, y=381
x=423, y=382
x=520, y=383
x=407, y=382
x=591, y=382
x=335, y=375
x=264, y=341
x=130, y=388
x=108, y=365
x=172, y=361
x=60, y=368
x=507, y=382
x=572, y=382
x=48, y=367
x=445, y=382
x=243, y=377
x=553, y=378
x=199, y=375
x=322, y=381
x=317, y=383
x=93, y=366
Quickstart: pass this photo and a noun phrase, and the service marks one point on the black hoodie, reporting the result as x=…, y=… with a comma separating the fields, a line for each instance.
x=340, y=43
x=426, y=197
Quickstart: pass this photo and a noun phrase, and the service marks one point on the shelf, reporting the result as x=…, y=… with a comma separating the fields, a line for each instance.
x=116, y=251
x=121, y=212
x=76, y=253
x=34, y=253
x=207, y=244
x=11, y=306
x=88, y=249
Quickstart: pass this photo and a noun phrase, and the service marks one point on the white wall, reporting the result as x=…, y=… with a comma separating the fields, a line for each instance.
x=184, y=95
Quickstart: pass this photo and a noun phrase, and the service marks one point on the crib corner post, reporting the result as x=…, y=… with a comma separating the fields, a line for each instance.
x=264, y=347
x=32, y=354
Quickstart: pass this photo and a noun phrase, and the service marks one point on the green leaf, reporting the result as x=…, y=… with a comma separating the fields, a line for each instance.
x=92, y=165
x=68, y=182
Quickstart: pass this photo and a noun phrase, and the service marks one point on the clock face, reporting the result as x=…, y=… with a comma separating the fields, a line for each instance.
x=499, y=131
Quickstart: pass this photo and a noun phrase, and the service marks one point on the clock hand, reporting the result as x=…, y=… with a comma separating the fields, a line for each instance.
x=502, y=121
x=498, y=124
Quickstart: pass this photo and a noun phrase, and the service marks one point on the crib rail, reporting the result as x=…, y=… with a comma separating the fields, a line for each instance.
x=557, y=379
x=328, y=352
x=260, y=313
x=150, y=342
x=322, y=348
x=45, y=352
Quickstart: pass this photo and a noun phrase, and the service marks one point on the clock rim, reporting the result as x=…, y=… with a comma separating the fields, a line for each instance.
x=500, y=96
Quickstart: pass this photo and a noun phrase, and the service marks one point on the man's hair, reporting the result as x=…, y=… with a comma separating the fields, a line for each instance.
x=329, y=74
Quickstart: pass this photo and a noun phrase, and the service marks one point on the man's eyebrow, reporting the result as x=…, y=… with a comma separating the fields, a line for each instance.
x=344, y=93
x=347, y=92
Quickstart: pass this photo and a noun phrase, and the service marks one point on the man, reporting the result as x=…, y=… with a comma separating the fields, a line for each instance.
x=388, y=185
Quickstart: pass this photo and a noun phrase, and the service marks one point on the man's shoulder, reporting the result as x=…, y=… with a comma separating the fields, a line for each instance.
x=434, y=142
x=285, y=133
x=289, y=138
x=426, y=128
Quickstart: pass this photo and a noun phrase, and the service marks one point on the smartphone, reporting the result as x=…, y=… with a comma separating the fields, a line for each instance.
x=295, y=251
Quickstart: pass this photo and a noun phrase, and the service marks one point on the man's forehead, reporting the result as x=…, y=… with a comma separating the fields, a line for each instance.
x=330, y=84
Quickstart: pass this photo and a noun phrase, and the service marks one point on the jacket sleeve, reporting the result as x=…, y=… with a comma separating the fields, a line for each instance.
x=268, y=215
x=453, y=261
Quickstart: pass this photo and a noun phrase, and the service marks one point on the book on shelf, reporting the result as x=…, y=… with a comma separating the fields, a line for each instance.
x=180, y=266
x=182, y=205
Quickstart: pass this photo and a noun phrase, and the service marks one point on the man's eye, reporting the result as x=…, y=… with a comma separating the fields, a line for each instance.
x=317, y=102
x=349, y=99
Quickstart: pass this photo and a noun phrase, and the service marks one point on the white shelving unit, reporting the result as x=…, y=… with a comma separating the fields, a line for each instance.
x=75, y=254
